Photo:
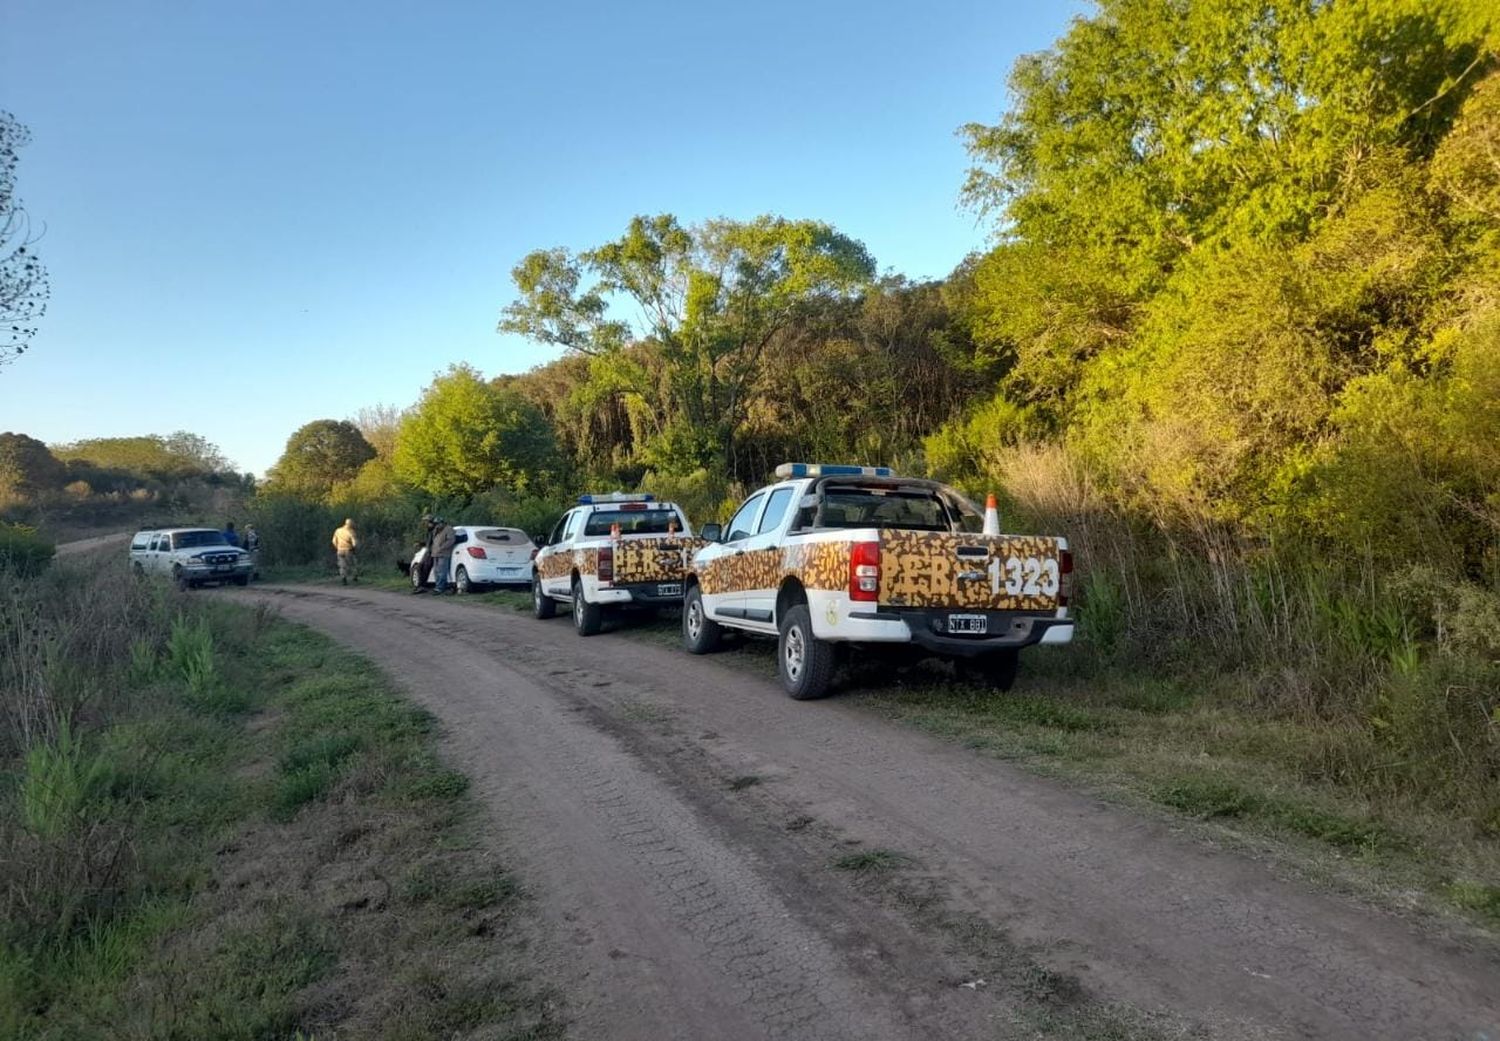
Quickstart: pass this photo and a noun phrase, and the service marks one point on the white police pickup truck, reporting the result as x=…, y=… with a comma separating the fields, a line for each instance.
x=190, y=557
x=857, y=555
x=613, y=550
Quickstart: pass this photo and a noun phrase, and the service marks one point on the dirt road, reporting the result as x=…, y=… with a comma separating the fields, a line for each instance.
x=716, y=861
x=98, y=542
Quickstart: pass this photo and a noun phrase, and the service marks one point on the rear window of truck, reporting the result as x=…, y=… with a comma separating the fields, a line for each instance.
x=632, y=522
x=907, y=510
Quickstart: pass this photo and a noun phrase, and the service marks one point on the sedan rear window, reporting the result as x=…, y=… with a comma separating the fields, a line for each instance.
x=503, y=536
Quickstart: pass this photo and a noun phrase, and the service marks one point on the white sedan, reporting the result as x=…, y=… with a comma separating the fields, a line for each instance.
x=483, y=556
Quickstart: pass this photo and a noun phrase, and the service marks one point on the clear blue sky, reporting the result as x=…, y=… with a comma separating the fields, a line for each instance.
x=259, y=214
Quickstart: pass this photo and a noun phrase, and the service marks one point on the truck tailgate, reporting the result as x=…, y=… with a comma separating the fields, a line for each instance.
x=654, y=558
x=975, y=572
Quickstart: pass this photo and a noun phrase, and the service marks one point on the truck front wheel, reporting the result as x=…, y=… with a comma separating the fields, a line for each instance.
x=542, y=605
x=804, y=661
x=700, y=633
x=587, y=618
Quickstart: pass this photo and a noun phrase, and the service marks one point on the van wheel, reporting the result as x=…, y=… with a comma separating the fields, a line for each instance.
x=804, y=661
x=138, y=570
x=700, y=633
x=461, y=581
x=542, y=605
x=996, y=670
x=588, y=618
x=242, y=580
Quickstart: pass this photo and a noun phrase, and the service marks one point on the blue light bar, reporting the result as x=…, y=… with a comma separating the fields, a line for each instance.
x=590, y=500
x=790, y=470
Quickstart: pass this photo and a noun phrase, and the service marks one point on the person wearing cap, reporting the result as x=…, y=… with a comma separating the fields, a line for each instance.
x=443, y=542
x=345, y=543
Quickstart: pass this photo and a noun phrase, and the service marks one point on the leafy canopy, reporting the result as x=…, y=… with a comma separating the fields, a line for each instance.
x=467, y=436
x=320, y=455
x=705, y=301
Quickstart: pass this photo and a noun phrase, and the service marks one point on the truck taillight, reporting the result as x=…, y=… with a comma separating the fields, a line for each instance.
x=477, y=552
x=864, y=571
x=606, y=565
x=1064, y=577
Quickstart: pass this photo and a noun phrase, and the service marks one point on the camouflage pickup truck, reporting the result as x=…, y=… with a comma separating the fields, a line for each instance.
x=857, y=555
x=610, y=551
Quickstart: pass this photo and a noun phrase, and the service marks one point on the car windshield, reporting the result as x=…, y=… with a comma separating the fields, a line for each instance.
x=192, y=539
x=908, y=509
x=632, y=522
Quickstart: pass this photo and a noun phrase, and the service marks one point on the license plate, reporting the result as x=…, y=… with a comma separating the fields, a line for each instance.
x=223, y=567
x=509, y=570
x=968, y=623
x=669, y=589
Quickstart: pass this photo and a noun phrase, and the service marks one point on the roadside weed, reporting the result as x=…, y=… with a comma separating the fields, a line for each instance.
x=60, y=781
x=142, y=668
x=190, y=653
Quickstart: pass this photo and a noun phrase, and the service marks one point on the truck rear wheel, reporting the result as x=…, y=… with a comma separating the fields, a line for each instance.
x=542, y=605
x=996, y=670
x=700, y=633
x=804, y=662
x=588, y=618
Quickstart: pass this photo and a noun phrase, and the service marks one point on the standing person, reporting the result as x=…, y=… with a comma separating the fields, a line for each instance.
x=443, y=541
x=252, y=546
x=230, y=535
x=345, y=543
x=424, y=567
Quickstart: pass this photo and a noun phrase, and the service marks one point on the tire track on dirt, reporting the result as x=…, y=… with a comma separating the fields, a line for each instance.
x=1138, y=914
x=673, y=932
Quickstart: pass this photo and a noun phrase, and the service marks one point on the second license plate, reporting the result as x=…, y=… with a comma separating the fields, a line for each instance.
x=968, y=623
x=669, y=589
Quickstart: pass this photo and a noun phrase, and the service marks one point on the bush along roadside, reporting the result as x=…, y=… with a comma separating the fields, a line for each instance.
x=216, y=824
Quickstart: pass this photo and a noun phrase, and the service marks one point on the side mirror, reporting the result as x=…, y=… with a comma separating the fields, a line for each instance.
x=712, y=532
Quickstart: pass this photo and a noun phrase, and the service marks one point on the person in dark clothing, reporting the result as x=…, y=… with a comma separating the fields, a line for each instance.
x=424, y=566
x=230, y=535
x=443, y=543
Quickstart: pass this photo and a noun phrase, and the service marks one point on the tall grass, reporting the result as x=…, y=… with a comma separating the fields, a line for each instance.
x=1395, y=670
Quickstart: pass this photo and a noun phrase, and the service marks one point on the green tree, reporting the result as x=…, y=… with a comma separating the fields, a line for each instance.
x=467, y=436
x=27, y=467
x=320, y=455
x=1156, y=131
x=178, y=456
x=711, y=299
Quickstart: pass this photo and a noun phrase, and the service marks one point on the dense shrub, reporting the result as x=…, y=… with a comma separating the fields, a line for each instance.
x=23, y=551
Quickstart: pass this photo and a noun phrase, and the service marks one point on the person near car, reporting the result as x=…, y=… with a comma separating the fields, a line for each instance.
x=443, y=541
x=345, y=545
x=252, y=546
x=230, y=535
x=424, y=566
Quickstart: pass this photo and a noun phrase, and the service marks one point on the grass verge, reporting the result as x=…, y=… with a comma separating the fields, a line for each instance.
x=217, y=824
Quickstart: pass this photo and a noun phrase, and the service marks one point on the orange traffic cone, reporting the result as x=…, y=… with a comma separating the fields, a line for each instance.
x=991, y=516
